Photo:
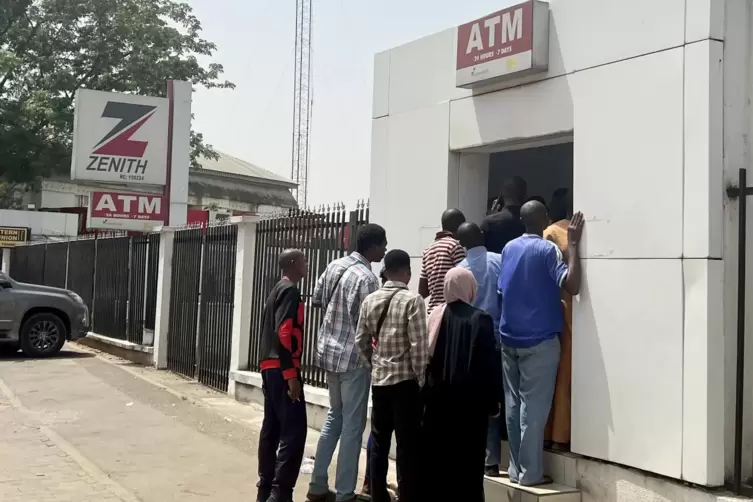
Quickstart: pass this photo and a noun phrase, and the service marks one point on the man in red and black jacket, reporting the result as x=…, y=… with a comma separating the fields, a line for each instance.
x=283, y=433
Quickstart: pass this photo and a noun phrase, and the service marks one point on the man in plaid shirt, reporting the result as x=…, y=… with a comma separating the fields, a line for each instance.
x=395, y=318
x=339, y=292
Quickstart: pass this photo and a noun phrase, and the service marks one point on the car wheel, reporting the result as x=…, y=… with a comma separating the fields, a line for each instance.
x=43, y=335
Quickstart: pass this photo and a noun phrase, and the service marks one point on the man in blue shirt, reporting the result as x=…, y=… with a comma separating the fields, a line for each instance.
x=533, y=271
x=485, y=267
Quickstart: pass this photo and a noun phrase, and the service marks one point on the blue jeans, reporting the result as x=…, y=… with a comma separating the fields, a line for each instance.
x=346, y=421
x=529, y=376
x=495, y=430
x=494, y=441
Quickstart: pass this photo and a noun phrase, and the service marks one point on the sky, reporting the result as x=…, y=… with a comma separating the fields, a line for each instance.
x=255, y=40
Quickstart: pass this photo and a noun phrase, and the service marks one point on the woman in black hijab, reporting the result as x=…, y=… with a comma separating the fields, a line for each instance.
x=463, y=382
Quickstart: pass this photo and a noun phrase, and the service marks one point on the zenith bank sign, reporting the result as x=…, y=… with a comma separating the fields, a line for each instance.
x=507, y=44
x=120, y=138
x=125, y=211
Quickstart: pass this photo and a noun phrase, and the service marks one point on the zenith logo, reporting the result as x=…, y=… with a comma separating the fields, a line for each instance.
x=118, y=141
x=117, y=152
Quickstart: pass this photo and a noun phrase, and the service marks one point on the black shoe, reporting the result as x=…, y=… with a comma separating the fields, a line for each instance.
x=492, y=471
x=263, y=496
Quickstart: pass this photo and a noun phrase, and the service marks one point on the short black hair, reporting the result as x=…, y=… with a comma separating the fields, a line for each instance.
x=288, y=257
x=538, y=198
x=396, y=260
x=452, y=219
x=561, y=206
x=369, y=236
x=470, y=235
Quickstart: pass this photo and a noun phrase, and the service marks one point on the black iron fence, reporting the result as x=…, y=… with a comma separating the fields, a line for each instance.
x=201, y=304
x=324, y=235
x=184, y=302
x=112, y=275
x=27, y=263
x=216, y=312
x=110, y=313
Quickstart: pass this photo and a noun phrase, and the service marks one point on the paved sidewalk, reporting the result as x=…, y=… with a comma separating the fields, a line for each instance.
x=34, y=467
x=88, y=427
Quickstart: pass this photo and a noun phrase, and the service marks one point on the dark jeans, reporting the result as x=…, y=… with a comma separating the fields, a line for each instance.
x=282, y=439
x=395, y=408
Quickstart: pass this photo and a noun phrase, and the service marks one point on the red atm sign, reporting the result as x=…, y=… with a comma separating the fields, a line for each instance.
x=126, y=211
x=505, y=44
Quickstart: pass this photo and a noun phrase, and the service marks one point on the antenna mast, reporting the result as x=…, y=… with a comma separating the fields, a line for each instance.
x=302, y=100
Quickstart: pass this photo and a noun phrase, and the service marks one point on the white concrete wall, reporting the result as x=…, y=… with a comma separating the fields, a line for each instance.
x=737, y=128
x=640, y=93
x=41, y=223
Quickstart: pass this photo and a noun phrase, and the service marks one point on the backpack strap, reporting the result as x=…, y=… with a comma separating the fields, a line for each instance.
x=337, y=283
x=383, y=316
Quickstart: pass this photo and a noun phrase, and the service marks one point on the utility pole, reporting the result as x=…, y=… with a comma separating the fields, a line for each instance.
x=302, y=100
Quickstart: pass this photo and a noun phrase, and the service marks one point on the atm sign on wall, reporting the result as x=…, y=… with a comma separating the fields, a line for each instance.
x=506, y=44
x=125, y=211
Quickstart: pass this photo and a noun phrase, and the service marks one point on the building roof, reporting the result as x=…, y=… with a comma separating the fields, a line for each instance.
x=227, y=164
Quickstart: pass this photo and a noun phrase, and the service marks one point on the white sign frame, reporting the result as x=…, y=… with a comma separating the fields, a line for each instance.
x=120, y=138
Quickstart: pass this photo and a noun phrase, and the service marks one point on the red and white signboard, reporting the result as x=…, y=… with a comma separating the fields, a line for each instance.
x=510, y=43
x=126, y=211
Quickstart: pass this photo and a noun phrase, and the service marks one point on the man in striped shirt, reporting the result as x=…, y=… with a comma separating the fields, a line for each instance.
x=444, y=254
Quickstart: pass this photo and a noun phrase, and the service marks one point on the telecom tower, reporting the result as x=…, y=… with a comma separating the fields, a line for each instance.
x=302, y=100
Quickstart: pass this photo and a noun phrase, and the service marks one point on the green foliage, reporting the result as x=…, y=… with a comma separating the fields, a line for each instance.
x=50, y=48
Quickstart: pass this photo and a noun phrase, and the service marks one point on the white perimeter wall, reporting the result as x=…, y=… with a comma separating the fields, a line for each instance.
x=640, y=85
x=41, y=223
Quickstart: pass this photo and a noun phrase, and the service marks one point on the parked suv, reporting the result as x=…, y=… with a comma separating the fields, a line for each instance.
x=39, y=319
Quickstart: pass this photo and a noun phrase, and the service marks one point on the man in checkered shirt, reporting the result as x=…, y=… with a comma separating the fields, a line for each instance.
x=395, y=318
x=339, y=292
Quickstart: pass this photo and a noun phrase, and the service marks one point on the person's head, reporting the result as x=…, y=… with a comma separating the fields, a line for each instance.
x=372, y=242
x=452, y=219
x=514, y=191
x=293, y=264
x=470, y=236
x=561, y=207
x=534, y=217
x=537, y=198
x=397, y=266
x=460, y=286
x=383, y=277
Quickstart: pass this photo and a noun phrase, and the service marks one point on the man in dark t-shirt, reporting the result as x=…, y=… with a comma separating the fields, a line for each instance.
x=504, y=225
x=283, y=432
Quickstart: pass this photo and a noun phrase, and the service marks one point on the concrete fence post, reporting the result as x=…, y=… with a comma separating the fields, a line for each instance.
x=164, y=283
x=244, y=293
x=6, y=261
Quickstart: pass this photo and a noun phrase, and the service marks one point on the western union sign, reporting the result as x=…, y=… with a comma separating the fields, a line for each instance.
x=13, y=236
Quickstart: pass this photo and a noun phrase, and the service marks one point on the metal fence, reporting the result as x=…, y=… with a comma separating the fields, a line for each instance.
x=201, y=304
x=27, y=263
x=152, y=272
x=56, y=264
x=111, y=287
x=82, y=255
x=112, y=275
x=324, y=234
x=184, y=302
x=216, y=312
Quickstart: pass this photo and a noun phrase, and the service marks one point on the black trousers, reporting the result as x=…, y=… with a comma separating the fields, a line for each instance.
x=396, y=408
x=282, y=439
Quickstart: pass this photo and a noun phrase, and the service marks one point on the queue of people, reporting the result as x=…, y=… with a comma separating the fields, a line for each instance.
x=482, y=359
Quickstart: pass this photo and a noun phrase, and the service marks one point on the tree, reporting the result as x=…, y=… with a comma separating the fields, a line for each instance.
x=50, y=48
